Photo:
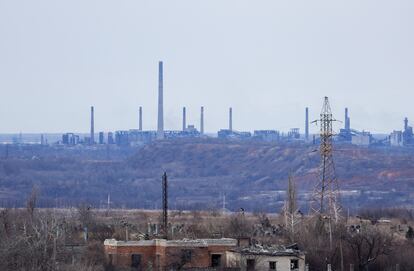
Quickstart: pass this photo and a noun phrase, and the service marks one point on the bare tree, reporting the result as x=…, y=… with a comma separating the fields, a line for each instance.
x=239, y=226
x=368, y=245
x=86, y=215
x=290, y=210
x=31, y=202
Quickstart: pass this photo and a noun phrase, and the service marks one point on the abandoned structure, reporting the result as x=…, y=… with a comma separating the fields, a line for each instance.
x=212, y=254
x=161, y=254
x=266, y=258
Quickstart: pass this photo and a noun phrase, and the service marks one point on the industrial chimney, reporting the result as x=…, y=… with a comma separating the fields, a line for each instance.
x=160, y=129
x=202, y=121
x=140, y=118
x=92, y=139
x=307, y=124
x=347, y=120
x=184, y=119
x=231, y=119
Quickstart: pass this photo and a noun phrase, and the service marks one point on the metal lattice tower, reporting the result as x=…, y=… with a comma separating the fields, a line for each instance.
x=165, y=205
x=325, y=198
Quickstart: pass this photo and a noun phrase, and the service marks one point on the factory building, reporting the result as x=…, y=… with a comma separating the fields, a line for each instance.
x=230, y=134
x=396, y=139
x=294, y=133
x=266, y=135
x=190, y=131
x=70, y=139
x=402, y=138
x=137, y=137
x=122, y=138
x=362, y=139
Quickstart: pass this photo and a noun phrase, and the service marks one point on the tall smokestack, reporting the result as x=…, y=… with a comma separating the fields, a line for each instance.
x=140, y=118
x=231, y=119
x=347, y=120
x=160, y=130
x=184, y=119
x=202, y=121
x=92, y=140
x=307, y=124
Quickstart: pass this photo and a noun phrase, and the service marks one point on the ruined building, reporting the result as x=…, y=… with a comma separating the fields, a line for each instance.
x=201, y=254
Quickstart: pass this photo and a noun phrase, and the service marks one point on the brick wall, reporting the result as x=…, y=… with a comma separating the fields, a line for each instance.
x=159, y=255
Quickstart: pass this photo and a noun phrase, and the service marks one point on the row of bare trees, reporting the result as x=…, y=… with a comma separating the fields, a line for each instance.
x=38, y=239
x=33, y=239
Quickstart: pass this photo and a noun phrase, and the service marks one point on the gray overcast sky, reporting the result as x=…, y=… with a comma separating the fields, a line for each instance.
x=267, y=59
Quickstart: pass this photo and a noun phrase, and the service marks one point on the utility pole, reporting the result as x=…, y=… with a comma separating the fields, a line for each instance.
x=165, y=204
x=224, y=203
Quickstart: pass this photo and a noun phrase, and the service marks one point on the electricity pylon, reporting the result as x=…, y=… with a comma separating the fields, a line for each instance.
x=325, y=197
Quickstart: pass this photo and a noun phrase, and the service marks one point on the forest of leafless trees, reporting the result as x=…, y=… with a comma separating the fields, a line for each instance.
x=72, y=239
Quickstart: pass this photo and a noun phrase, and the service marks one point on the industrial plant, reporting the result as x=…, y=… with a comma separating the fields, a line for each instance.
x=140, y=136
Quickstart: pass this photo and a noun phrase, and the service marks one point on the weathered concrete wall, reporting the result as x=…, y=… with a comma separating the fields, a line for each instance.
x=234, y=259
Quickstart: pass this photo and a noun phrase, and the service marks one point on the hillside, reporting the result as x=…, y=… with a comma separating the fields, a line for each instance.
x=252, y=175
